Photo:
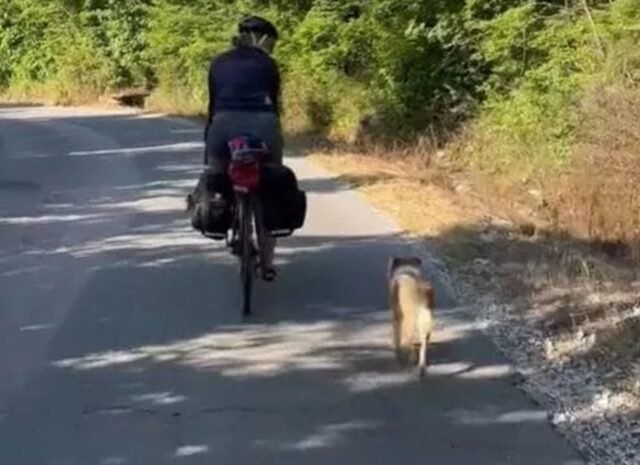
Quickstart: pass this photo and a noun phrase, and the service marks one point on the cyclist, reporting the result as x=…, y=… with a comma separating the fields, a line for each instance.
x=244, y=97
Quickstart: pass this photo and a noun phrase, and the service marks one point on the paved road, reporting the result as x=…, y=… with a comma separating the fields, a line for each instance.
x=121, y=341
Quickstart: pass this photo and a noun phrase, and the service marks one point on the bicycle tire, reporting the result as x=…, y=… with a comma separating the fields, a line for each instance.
x=247, y=255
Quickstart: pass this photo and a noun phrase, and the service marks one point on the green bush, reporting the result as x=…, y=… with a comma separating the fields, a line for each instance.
x=30, y=31
x=513, y=73
x=532, y=112
x=72, y=49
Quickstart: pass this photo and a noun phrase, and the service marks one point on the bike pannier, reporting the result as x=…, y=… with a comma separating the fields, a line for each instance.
x=284, y=204
x=211, y=205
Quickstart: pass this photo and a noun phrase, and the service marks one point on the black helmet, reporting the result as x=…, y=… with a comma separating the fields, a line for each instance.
x=258, y=25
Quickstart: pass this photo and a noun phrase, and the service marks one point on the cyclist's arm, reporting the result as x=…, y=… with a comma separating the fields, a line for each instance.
x=211, y=108
x=276, y=90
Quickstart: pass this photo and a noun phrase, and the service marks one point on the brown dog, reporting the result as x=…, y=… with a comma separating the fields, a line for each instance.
x=412, y=304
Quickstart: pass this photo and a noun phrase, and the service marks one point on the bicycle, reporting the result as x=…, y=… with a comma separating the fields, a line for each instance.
x=247, y=156
x=226, y=206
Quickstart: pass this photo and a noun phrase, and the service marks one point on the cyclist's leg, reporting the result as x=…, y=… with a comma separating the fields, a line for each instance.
x=266, y=244
x=216, y=151
x=263, y=125
x=273, y=138
x=216, y=160
x=271, y=133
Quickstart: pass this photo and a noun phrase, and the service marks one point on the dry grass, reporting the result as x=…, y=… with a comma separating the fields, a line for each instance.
x=176, y=103
x=420, y=198
x=44, y=95
x=599, y=199
x=158, y=102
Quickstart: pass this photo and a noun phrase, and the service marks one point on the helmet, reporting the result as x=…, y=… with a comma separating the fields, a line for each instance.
x=259, y=26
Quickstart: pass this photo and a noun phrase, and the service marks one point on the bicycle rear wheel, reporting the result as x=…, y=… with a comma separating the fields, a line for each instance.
x=247, y=254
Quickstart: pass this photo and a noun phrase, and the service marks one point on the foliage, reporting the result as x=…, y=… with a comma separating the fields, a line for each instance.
x=513, y=72
x=73, y=46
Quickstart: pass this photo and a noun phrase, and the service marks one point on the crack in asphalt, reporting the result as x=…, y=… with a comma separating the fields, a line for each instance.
x=123, y=410
x=19, y=185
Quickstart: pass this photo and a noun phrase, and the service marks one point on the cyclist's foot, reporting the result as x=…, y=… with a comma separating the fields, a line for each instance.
x=235, y=247
x=269, y=274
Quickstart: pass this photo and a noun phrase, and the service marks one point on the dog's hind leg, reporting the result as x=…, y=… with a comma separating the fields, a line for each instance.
x=423, y=356
x=396, y=321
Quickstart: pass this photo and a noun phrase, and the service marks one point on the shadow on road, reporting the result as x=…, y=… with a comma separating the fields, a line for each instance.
x=153, y=351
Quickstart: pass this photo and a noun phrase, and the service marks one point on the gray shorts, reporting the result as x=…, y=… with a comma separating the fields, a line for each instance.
x=226, y=125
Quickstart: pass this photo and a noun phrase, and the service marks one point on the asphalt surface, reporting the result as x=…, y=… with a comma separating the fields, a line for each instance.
x=121, y=340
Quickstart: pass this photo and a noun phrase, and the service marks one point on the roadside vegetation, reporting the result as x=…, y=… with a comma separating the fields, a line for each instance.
x=541, y=98
x=500, y=130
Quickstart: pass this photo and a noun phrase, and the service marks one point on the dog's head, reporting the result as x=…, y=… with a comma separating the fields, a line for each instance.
x=403, y=262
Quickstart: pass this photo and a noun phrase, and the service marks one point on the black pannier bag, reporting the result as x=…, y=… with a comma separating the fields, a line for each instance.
x=284, y=205
x=211, y=205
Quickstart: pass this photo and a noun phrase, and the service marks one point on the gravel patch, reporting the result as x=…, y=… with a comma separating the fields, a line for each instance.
x=602, y=423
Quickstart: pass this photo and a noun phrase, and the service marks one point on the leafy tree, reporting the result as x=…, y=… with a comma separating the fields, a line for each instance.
x=515, y=69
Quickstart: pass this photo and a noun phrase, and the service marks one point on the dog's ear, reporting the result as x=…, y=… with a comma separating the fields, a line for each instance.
x=392, y=266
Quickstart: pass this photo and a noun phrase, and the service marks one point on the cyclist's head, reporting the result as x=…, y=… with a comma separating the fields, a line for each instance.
x=257, y=32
